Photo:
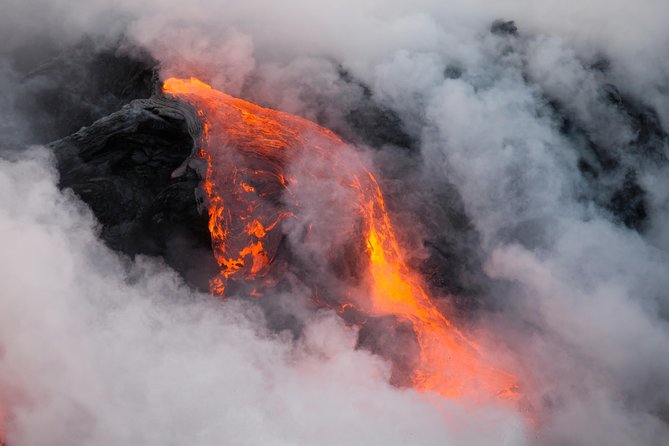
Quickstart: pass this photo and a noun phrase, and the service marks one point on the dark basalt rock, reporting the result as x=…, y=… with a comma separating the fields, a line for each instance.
x=611, y=170
x=373, y=123
x=628, y=203
x=504, y=28
x=133, y=164
x=609, y=165
x=379, y=126
x=644, y=122
x=134, y=169
x=452, y=72
x=601, y=64
x=83, y=84
x=394, y=340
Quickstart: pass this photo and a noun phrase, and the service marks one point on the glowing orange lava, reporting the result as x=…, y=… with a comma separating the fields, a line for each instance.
x=247, y=148
x=449, y=363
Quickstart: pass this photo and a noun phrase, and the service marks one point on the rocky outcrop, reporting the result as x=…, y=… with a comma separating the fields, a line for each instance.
x=135, y=169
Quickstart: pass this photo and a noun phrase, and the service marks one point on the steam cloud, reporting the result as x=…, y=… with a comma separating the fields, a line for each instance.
x=96, y=349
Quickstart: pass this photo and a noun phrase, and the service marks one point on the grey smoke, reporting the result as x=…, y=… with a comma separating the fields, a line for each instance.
x=100, y=350
x=581, y=299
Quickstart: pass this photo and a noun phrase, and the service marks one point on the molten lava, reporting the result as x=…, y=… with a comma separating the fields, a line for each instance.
x=247, y=149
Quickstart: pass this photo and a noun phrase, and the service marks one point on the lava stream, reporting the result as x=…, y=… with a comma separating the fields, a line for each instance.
x=247, y=149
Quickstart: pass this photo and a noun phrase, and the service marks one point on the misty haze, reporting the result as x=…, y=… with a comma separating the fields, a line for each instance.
x=361, y=222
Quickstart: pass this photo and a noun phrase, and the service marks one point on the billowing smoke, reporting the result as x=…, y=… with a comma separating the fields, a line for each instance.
x=527, y=160
x=99, y=350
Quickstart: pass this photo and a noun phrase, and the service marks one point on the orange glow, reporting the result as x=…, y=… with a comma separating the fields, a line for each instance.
x=246, y=148
x=449, y=363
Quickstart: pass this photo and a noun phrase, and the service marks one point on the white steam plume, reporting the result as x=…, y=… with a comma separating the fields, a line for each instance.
x=585, y=298
x=97, y=350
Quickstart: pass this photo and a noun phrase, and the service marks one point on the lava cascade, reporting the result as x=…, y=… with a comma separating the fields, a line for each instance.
x=247, y=148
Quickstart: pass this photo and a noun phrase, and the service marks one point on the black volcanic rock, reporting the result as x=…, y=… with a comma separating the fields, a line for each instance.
x=628, y=203
x=83, y=84
x=379, y=126
x=612, y=172
x=502, y=27
x=452, y=72
x=134, y=169
x=373, y=123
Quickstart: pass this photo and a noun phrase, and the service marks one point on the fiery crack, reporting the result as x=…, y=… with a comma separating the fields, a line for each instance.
x=247, y=149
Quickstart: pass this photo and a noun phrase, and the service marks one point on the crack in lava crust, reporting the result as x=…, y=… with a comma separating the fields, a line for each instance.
x=247, y=149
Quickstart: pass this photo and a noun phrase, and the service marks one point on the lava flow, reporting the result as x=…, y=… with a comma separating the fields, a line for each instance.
x=247, y=149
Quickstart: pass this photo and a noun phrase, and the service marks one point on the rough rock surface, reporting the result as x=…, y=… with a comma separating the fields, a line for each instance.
x=609, y=161
x=134, y=169
x=83, y=84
